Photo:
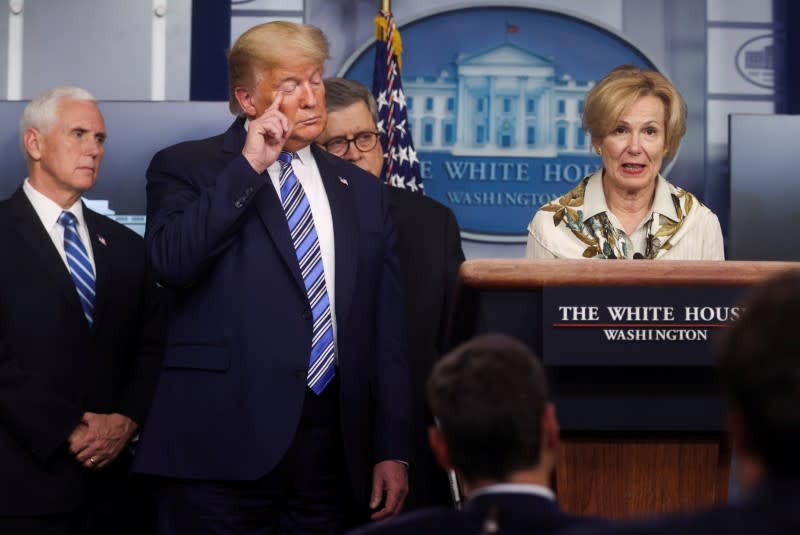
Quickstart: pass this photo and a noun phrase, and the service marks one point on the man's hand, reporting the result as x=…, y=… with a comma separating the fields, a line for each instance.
x=99, y=438
x=266, y=136
x=389, y=480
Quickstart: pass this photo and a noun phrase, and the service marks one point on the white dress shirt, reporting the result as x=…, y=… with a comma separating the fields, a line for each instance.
x=49, y=212
x=515, y=488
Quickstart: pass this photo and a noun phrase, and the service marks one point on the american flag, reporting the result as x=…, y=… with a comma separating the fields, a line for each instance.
x=400, y=164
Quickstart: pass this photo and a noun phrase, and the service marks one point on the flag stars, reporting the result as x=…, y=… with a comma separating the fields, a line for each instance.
x=412, y=155
x=400, y=98
x=381, y=100
x=401, y=127
x=402, y=155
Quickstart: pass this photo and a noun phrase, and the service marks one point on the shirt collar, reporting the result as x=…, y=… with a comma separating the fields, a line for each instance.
x=515, y=488
x=48, y=210
x=594, y=199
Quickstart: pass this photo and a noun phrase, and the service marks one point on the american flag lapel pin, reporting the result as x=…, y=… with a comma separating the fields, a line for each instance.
x=101, y=239
x=344, y=181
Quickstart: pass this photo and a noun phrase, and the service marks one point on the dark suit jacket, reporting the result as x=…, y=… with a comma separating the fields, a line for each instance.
x=429, y=249
x=54, y=367
x=231, y=391
x=508, y=512
x=772, y=509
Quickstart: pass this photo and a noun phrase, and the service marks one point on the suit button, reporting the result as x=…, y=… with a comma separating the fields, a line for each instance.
x=239, y=202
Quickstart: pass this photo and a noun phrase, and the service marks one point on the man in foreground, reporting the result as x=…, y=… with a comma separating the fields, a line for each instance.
x=497, y=430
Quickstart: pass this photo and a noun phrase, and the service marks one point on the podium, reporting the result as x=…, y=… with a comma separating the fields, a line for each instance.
x=635, y=439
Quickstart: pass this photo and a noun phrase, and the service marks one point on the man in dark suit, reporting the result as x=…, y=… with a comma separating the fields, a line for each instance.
x=758, y=363
x=284, y=399
x=429, y=249
x=497, y=430
x=80, y=334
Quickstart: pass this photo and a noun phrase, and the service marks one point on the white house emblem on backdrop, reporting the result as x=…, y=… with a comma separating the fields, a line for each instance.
x=495, y=108
x=754, y=61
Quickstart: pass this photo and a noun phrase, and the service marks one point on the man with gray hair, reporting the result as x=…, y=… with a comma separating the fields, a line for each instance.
x=80, y=334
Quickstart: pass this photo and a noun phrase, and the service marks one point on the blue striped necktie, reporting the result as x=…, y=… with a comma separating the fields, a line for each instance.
x=80, y=267
x=306, y=245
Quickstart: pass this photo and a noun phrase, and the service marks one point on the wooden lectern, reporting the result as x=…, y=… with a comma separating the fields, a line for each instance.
x=635, y=440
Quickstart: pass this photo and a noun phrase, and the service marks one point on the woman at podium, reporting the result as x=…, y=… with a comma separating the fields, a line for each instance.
x=636, y=119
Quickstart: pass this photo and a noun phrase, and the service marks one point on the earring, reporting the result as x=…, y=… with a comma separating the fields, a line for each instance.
x=599, y=151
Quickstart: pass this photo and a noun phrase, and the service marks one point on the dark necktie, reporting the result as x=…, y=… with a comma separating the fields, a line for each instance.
x=321, y=367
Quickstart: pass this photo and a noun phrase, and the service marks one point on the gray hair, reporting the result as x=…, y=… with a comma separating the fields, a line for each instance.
x=41, y=112
x=341, y=92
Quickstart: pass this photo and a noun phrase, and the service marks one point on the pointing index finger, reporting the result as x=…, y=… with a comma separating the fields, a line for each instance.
x=277, y=102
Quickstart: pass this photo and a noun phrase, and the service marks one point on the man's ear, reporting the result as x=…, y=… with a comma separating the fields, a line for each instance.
x=749, y=468
x=550, y=429
x=439, y=447
x=32, y=141
x=245, y=98
x=740, y=439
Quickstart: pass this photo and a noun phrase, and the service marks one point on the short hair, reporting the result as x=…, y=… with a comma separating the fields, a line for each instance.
x=267, y=46
x=488, y=396
x=341, y=92
x=758, y=362
x=619, y=89
x=41, y=112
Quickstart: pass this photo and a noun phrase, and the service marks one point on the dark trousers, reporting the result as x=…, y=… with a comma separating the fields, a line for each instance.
x=308, y=492
x=115, y=504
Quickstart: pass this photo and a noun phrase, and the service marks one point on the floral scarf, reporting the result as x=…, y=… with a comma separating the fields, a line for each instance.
x=602, y=239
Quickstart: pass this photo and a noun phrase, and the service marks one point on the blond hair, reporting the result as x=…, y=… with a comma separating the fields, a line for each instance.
x=619, y=89
x=267, y=46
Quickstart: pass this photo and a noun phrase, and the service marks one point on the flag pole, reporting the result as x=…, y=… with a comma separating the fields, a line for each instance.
x=386, y=5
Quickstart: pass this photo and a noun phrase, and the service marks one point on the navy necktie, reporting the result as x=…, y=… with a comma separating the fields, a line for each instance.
x=80, y=267
x=321, y=367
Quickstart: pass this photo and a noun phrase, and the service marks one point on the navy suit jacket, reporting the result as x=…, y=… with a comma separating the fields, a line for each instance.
x=54, y=366
x=239, y=326
x=496, y=512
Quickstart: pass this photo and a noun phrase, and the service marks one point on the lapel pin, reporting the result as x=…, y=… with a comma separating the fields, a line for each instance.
x=101, y=239
x=344, y=181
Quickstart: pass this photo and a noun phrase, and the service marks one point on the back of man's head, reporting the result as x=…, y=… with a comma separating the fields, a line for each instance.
x=758, y=361
x=489, y=396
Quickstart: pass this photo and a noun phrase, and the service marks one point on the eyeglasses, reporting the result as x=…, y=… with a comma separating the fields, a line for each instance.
x=364, y=141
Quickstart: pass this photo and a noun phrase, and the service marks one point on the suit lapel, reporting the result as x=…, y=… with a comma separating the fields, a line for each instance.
x=274, y=218
x=345, y=231
x=37, y=240
x=268, y=206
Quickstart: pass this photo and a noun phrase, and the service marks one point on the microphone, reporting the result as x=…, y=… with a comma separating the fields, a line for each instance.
x=638, y=256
